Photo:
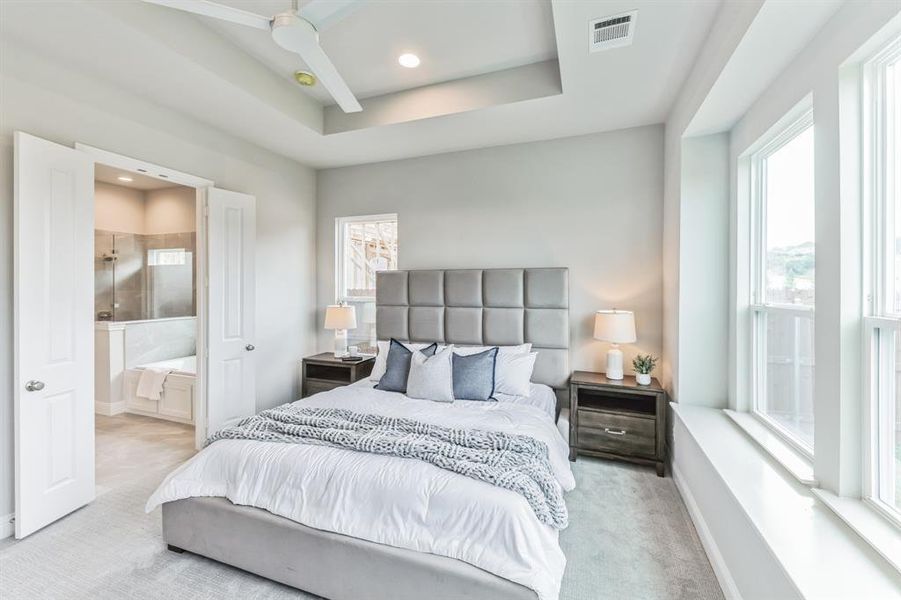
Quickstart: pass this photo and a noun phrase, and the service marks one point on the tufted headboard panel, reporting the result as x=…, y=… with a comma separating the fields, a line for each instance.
x=482, y=307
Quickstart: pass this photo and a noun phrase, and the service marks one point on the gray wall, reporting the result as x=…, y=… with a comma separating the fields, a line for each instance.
x=726, y=32
x=66, y=108
x=591, y=203
x=704, y=270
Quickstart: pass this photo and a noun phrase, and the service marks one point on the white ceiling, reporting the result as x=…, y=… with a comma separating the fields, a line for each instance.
x=111, y=175
x=173, y=60
x=779, y=31
x=453, y=38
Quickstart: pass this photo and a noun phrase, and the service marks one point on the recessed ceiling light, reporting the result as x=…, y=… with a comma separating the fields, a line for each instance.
x=125, y=178
x=411, y=61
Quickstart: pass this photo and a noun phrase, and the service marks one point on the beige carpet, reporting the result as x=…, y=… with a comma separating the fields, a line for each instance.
x=629, y=537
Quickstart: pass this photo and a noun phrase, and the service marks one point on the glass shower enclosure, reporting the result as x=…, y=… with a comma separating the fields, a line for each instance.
x=139, y=277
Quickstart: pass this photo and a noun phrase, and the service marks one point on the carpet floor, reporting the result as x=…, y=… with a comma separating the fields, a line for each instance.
x=629, y=537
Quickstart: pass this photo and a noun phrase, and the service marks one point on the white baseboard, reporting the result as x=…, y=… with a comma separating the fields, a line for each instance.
x=109, y=409
x=7, y=526
x=720, y=569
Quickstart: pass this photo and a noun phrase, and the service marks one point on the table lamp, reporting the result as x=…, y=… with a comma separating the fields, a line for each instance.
x=340, y=317
x=616, y=327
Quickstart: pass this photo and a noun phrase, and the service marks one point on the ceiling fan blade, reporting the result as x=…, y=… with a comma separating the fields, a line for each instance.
x=217, y=11
x=323, y=13
x=328, y=76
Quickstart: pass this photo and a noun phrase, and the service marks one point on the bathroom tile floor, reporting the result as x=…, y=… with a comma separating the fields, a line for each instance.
x=131, y=447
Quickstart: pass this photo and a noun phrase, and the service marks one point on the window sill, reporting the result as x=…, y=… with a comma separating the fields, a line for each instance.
x=798, y=465
x=819, y=553
x=884, y=537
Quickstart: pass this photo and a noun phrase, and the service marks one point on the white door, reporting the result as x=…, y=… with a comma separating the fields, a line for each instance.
x=231, y=233
x=54, y=337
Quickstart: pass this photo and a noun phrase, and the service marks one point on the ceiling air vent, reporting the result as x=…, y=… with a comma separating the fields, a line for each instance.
x=611, y=32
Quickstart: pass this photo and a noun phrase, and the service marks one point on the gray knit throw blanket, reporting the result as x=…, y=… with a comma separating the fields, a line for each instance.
x=511, y=461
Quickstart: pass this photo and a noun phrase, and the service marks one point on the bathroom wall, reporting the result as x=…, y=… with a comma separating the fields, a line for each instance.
x=169, y=210
x=118, y=208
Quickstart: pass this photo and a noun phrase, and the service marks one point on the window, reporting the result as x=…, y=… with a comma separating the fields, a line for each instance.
x=364, y=246
x=782, y=287
x=882, y=321
x=166, y=257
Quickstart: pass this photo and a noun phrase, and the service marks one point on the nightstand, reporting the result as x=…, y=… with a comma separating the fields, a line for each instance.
x=617, y=419
x=324, y=372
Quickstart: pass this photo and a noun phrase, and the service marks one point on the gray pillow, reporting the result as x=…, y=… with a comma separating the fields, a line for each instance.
x=432, y=377
x=474, y=375
x=397, y=369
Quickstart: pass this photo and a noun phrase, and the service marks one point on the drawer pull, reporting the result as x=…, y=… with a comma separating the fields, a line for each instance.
x=614, y=431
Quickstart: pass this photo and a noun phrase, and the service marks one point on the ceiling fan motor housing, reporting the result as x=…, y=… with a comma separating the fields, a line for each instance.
x=292, y=32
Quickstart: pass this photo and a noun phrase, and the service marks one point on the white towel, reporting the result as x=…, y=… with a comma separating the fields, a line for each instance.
x=150, y=385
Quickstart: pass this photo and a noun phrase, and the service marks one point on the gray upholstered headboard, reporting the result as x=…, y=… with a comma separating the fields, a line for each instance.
x=476, y=307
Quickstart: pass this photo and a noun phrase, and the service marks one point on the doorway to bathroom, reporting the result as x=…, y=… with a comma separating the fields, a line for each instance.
x=74, y=302
x=146, y=331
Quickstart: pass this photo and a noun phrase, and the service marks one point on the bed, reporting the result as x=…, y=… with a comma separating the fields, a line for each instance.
x=350, y=525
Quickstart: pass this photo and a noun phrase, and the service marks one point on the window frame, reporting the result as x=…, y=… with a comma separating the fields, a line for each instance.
x=880, y=319
x=340, y=228
x=801, y=119
x=154, y=253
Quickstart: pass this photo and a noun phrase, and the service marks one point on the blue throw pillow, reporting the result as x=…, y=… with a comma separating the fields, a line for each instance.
x=397, y=368
x=474, y=375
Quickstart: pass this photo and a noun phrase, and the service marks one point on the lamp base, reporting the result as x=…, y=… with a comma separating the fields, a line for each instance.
x=340, y=343
x=614, y=363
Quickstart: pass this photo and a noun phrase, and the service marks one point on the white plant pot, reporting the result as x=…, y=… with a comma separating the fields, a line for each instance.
x=643, y=378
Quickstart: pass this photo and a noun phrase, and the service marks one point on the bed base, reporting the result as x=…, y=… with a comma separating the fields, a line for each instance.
x=327, y=564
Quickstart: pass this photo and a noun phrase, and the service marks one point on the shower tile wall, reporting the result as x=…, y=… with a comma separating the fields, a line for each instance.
x=129, y=278
x=172, y=288
x=140, y=291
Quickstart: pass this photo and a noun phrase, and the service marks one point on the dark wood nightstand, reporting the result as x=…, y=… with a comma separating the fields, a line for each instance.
x=323, y=372
x=617, y=419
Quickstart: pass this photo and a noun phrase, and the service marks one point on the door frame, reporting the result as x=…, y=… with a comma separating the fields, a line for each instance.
x=201, y=186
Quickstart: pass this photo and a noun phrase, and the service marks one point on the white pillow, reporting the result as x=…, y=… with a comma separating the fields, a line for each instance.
x=467, y=350
x=432, y=377
x=381, y=359
x=510, y=376
x=513, y=373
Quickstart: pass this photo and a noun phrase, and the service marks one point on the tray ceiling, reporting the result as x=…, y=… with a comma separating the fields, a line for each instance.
x=453, y=39
x=519, y=71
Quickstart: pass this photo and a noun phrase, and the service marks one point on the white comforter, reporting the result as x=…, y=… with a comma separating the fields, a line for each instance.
x=395, y=501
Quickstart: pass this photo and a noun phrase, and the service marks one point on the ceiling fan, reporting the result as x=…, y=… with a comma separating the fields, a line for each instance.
x=293, y=30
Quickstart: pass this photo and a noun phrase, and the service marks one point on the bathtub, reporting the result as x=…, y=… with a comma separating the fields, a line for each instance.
x=186, y=365
x=177, y=401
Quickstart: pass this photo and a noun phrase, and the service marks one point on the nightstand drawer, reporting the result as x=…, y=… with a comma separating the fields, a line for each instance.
x=314, y=387
x=336, y=373
x=617, y=433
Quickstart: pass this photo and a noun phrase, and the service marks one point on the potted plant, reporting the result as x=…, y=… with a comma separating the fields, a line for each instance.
x=643, y=365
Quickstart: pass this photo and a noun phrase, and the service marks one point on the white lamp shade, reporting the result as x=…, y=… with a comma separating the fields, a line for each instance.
x=615, y=326
x=340, y=317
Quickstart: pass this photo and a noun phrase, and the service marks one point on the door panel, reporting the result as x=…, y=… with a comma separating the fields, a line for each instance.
x=54, y=338
x=231, y=231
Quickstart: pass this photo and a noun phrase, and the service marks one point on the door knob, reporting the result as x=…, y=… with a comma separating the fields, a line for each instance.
x=250, y=347
x=34, y=386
